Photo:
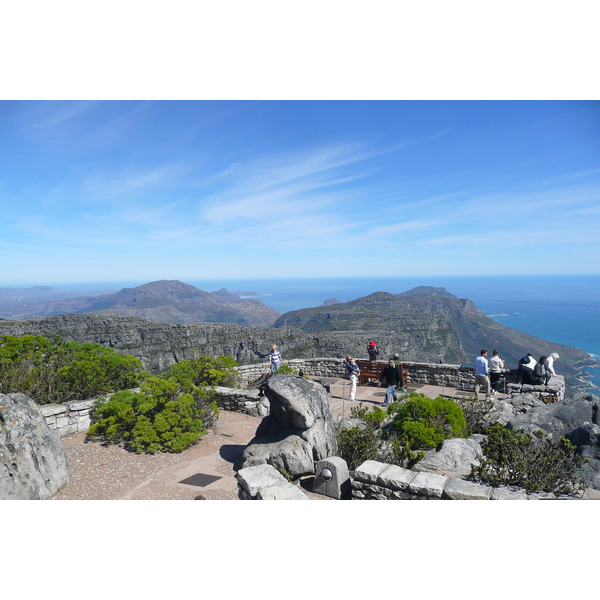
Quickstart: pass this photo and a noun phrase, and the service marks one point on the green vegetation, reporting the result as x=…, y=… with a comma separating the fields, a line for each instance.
x=400, y=435
x=533, y=462
x=170, y=412
x=58, y=371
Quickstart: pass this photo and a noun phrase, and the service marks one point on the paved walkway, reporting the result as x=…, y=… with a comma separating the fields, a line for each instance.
x=108, y=472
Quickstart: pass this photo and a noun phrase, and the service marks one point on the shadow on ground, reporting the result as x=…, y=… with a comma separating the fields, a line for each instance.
x=232, y=453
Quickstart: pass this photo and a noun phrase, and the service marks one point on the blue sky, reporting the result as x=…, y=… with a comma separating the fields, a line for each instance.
x=105, y=191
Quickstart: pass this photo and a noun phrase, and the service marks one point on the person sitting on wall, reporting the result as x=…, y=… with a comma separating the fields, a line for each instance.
x=538, y=377
x=524, y=371
x=393, y=377
x=353, y=373
x=550, y=366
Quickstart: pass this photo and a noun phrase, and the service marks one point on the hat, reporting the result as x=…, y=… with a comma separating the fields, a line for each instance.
x=525, y=360
x=372, y=344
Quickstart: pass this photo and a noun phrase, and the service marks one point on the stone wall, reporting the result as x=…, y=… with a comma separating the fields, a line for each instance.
x=374, y=480
x=438, y=374
x=70, y=417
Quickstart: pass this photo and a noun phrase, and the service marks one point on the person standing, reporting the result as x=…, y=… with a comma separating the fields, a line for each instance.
x=353, y=373
x=373, y=351
x=274, y=359
x=481, y=374
x=496, y=369
x=393, y=377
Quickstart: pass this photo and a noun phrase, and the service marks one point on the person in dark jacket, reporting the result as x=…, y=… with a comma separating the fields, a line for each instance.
x=524, y=371
x=392, y=376
x=538, y=377
x=373, y=351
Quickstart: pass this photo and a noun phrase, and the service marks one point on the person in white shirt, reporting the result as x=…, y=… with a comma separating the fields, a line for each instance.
x=496, y=369
x=274, y=359
x=353, y=373
x=550, y=366
x=481, y=374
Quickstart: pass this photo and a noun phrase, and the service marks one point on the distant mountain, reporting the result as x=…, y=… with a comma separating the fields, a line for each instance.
x=428, y=327
x=427, y=289
x=331, y=301
x=164, y=301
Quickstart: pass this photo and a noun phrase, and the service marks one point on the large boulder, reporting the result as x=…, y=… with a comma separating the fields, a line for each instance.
x=299, y=430
x=558, y=419
x=456, y=456
x=33, y=463
x=587, y=440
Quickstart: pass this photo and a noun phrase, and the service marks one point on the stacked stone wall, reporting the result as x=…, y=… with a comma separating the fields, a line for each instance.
x=70, y=417
x=374, y=480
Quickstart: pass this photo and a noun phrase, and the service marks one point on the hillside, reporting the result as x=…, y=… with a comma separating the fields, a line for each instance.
x=428, y=324
x=160, y=301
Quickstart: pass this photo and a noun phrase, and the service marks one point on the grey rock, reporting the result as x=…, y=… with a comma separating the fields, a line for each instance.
x=33, y=463
x=456, y=455
x=299, y=430
x=286, y=452
x=369, y=471
x=506, y=493
x=396, y=477
x=428, y=484
x=253, y=479
x=459, y=489
x=285, y=491
x=338, y=484
x=556, y=419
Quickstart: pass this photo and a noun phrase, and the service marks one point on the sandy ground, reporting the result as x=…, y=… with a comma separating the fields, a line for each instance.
x=107, y=472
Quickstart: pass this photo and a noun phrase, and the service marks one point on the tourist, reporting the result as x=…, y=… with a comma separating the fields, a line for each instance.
x=550, y=366
x=481, y=374
x=353, y=373
x=393, y=377
x=496, y=370
x=538, y=377
x=373, y=351
x=524, y=371
x=274, y=359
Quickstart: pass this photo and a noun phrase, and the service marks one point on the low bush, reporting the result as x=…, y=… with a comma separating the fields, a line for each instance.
x=533, y=462
x=169, y=413
x=423, y=422
x=59, y=371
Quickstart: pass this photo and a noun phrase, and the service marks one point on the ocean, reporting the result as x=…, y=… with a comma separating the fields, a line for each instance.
x=560, y=308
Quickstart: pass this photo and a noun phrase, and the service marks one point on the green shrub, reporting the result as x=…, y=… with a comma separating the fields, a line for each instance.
x=59, y=371
x=533, y=462
x=169, y=413
x=424, y=422
x=356, y=445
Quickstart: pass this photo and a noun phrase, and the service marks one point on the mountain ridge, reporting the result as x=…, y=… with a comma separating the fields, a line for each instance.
x=165, y=300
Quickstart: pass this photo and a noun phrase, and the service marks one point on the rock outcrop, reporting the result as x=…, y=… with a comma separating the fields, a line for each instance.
x=299, y=430
x=33, y=463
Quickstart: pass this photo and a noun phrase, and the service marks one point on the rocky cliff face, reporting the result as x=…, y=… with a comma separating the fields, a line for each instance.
x=422, y=328
x=428, y=326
